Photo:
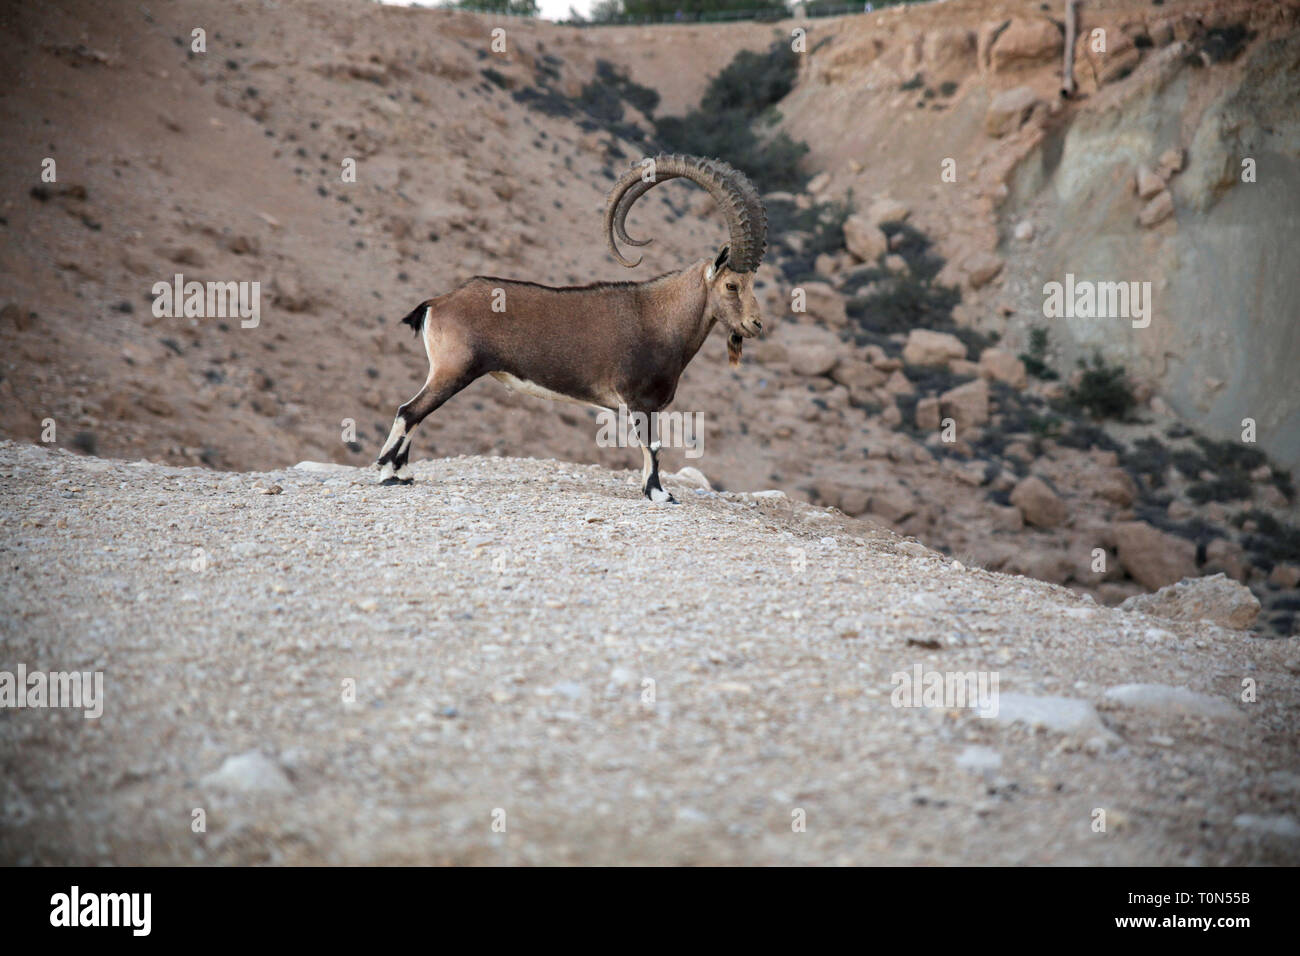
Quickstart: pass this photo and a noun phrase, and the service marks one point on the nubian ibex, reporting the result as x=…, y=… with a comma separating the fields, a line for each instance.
x=606, y=344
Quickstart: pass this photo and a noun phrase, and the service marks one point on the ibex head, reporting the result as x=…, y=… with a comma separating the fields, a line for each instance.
x=729, y=279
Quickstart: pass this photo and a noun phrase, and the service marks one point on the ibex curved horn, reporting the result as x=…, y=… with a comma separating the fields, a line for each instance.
x=620, y=217
x=733, y=192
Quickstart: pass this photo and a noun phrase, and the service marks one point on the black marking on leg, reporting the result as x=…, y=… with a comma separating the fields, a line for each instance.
x=652, y=483
x=390, y=456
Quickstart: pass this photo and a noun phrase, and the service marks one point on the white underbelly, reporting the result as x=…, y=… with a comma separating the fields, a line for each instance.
x=532, y=388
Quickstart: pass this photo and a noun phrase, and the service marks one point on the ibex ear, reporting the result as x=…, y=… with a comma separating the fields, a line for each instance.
x=718, y=263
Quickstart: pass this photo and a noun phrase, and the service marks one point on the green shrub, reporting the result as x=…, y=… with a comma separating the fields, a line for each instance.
x=862, y=275
x=974, y=340
x=602, y=102
x=1230, y=488
x=1273, y=540
x=914, y=246
x=1282, y=481
x=902, y=303
x=785, y=217
x=723, y=125
x=1035, y=359
x=664, y=10
x=1224, y=43
x=522, y=8
x=643, y=98
x=1230, y=463
x=1147, y=461
x=828, y=227
x=753, y=81
x=495, y=77
x=772, y=165
x=1230, y=455
x=1103, y=390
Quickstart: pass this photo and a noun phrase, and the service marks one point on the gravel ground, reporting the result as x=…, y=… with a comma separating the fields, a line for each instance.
x=502, y=621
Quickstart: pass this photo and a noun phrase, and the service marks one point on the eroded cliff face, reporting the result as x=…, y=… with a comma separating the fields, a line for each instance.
x=1196, y=99
x=1223, y=341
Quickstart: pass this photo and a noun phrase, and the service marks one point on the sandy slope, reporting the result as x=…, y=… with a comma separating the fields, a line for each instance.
x=499, y=619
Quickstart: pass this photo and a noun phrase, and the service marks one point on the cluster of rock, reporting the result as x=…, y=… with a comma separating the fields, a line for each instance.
x=1152, y=186
x=951, y=471
x=1036, y=507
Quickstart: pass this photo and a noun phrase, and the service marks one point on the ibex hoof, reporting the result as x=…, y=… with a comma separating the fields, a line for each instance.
x=397, y=476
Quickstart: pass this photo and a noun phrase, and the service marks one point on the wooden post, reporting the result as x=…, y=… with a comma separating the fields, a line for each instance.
x=1067, y=74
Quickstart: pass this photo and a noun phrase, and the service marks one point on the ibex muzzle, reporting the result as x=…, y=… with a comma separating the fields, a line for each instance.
x=606, y=344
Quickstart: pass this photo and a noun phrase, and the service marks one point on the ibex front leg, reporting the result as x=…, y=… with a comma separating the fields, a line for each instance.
x=650, y=486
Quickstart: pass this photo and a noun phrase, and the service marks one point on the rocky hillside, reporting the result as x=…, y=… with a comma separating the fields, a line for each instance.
x=299, y=667
x=911, y=392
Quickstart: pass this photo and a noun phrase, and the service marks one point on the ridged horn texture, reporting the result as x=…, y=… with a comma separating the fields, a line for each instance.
x=731, y=190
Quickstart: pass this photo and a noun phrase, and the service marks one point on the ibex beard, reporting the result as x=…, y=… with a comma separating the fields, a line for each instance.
x=606, y=344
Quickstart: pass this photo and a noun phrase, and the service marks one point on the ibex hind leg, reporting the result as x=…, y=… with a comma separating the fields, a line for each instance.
x=397, y=447
x=447, y=376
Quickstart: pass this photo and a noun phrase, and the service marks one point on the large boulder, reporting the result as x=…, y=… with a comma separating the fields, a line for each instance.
x=1151, y=557
x=893, y=502
x=899, y=384
x=1171, y=161
x=1042, y=564
x=1146, y=183
x=1009, y=110
x=884, y=209
x=1000, y=366
x=864, y=239
x=1228, y=556
x=927, y=414
x=1118, y=62
x=1111, y=484
x=932, y=348
x=811, y=359
x=982, y=268
x=950, y=47
x=1157, y=210
x=1217, y=598
x=1285, y=576
x=967, y=405
x=1039, y=505
x=1026, y=43
x=809, y=349
x=855, y=373
x=825, y=303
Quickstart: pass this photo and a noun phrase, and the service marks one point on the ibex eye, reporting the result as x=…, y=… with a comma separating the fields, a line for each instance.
x=732, y=287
